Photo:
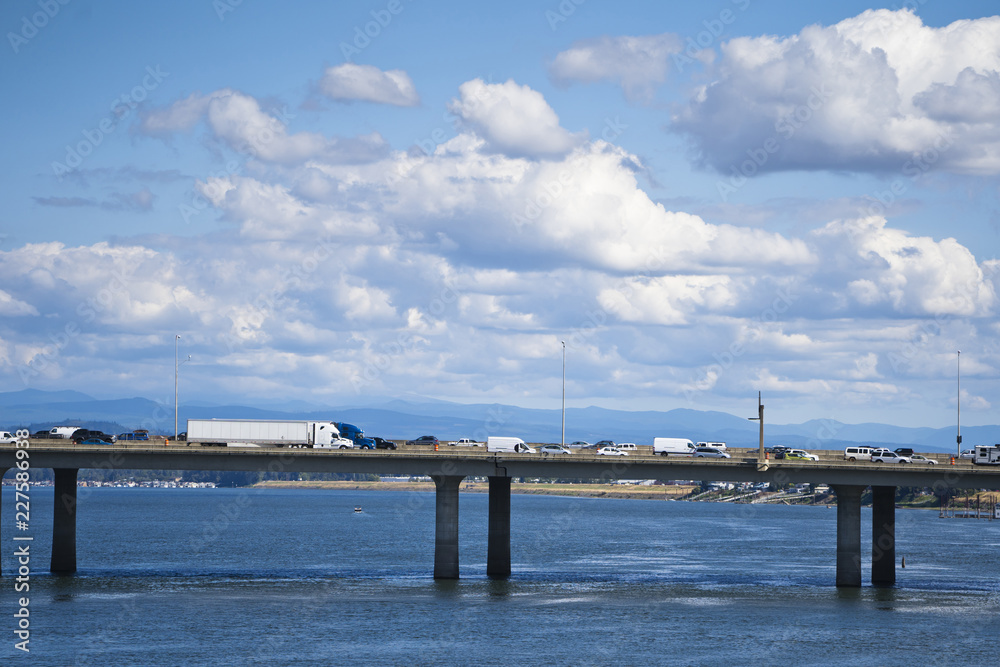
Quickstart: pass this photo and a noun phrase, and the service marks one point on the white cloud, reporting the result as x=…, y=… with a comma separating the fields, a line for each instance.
x=238, y=121
x=11, y=307
x=366, y=83
x=885, y=267
x=513, y=120
x=869, y=93
x=638, y=64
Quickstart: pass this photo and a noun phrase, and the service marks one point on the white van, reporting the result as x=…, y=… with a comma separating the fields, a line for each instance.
x=673, y=446
x=717, y=445
x=858, y=454
x=504, y=444
x=65, y=432
x=627, y=447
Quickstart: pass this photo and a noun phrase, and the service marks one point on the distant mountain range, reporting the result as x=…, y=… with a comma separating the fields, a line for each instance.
x=402, y=419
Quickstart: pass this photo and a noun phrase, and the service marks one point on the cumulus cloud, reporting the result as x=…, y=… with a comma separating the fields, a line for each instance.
x=638, y=64
x=238, y=121
x=366, y=83
x=910, y=275
x=513, y=120
x=13, y=307
x=462, y=268
x=869, y=93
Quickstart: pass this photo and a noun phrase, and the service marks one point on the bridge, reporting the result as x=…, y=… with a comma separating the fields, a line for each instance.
x=451, y=465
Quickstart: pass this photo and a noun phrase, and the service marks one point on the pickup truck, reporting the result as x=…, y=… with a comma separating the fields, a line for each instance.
x=466, y=442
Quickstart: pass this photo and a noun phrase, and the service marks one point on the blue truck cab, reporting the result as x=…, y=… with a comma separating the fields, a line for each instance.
x=354, y=434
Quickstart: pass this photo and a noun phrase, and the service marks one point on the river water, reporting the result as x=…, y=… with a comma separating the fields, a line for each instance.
x=242, y=577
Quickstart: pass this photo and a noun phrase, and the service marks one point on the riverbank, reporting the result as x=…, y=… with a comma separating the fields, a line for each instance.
x=581, y=490
x=635, y=491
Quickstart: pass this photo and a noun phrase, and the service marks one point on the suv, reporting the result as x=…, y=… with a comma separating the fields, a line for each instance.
x=904, y=451
x=382, y=443
x=423, y=440
x=886, y=456
x=858, y=452
x=605, y=443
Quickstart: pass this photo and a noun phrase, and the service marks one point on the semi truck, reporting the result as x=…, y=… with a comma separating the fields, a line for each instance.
x=355, y=435
x=266, y=433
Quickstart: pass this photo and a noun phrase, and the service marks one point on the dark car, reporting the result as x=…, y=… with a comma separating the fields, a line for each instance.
x=91, y=441
x=382, y=443
x=81, y=434
x=41, y=434
x=605, y=443
x=423, y=440
x=904, y=451
x=134, y=435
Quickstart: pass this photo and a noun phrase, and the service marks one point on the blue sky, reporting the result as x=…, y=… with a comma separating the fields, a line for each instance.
x=335, y=202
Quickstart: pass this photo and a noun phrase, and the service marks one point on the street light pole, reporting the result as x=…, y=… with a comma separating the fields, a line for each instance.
x=760, y=418
x=959, y=403
x=563, y=439
x=177, y=366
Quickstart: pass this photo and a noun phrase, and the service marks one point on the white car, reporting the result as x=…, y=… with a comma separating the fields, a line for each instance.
x=888, y=456
x=553, y=449
x=611, y=451
x=709, y=452
x=920, y=458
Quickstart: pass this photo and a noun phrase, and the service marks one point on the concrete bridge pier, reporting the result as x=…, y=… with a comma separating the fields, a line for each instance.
x=498, y=545
x=64, y=522
x=446, y=526
x=848, y=534
x=883, y=535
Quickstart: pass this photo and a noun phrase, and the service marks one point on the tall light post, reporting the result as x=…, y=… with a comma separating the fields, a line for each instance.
x=760, y=418
x=959, y=404
x=177, y=366
x=563, y=439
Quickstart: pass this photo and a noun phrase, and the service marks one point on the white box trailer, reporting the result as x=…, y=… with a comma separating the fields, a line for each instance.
x=986, y=455
x=264, y=433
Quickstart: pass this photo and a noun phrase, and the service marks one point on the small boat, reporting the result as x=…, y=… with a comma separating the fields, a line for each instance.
x=358, y=510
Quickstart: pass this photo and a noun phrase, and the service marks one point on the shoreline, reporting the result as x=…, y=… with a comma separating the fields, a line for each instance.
x=575, y=490
x=635, y=492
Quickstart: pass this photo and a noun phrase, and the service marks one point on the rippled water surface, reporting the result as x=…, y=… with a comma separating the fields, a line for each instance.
x=237, y=577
